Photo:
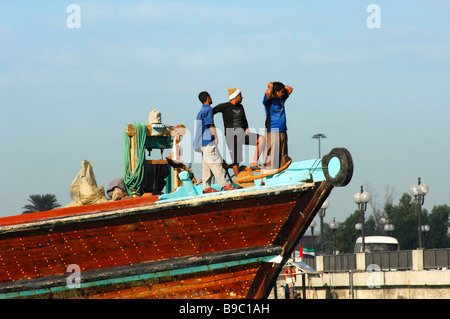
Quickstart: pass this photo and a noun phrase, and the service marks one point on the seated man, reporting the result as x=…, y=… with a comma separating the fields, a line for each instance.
x=236, y=129
x=205, y=141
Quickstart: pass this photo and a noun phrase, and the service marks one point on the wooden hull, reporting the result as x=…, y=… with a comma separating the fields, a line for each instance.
x=143, y=250
x=229, y=244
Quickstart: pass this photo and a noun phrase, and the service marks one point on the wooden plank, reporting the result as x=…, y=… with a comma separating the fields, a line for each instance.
x=157, y=162
x=56, y=286
x=161, y=210
x=133, y=154
x=220, y=283
x=169, y=131
x=211, y=285
x=168, y=267
x=140, y=241
x=246, y=178
x=110, y=253
x=131, y=132
x=288, y=237
x=78, y=210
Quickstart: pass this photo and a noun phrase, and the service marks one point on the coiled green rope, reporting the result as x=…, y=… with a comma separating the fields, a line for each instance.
x=135, y=181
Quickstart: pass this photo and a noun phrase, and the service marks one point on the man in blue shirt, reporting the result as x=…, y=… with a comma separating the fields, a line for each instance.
x=205, y=141
x=276, y=128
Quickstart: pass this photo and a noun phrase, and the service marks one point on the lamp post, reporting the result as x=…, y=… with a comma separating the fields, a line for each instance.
x=362, y=199
x=313, y=225
x=358, y=227
x=322, y=212
x=334, y=226
x=425, y=229
x=419, y=191
x=319, y=136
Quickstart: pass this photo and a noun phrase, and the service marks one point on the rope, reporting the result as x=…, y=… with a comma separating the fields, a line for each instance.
x=315, y=165
x=135, y=181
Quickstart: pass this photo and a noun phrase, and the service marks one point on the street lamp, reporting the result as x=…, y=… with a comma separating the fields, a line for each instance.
x=319, y=136
x=334, y=226
x=322, y=212
x=389, y=228
x=425, y=229
x=362, y=199
x=419, y=191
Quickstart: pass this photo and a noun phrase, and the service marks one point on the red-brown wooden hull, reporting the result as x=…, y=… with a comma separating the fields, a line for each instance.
x=37, y=248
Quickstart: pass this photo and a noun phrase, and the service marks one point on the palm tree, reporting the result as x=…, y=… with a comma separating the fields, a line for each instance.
x=41, y=203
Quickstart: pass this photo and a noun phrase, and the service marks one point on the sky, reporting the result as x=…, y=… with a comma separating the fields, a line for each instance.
x=72, y=79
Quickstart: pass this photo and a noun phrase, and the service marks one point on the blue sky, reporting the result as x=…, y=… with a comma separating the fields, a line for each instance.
x=66, y=94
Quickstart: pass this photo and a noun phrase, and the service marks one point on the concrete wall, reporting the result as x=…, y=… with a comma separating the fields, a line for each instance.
x=373, y=283
x=423, y=284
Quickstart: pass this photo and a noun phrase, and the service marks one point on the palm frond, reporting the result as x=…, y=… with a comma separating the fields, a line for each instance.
x=40, y=203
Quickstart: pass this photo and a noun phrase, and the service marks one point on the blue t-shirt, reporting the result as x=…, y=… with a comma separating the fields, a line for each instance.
x=203, y=135
x=275, y=113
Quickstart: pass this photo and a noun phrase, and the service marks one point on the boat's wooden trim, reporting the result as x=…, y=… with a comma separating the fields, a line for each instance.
x=290, y=234
x=76, y=211
x=102, y=213
x=139, y=274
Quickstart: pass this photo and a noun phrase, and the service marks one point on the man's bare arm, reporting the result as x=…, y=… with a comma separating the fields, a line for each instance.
x=288, y=89
x=269, y=91
x=212, y=128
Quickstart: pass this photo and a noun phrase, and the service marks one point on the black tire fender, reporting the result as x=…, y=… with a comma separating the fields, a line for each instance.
x=344, y=176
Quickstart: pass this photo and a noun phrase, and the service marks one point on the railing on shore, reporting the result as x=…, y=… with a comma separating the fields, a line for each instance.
x=396, y=260
x=401, y=260
x=344, y=262
x=436, y=258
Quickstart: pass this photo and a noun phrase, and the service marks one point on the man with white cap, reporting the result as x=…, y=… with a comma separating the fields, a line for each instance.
x=237, y=132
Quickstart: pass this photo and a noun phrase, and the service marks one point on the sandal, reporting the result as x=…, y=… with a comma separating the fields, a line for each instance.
x=255, y=167
x=230, y=187
x=210, y=190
